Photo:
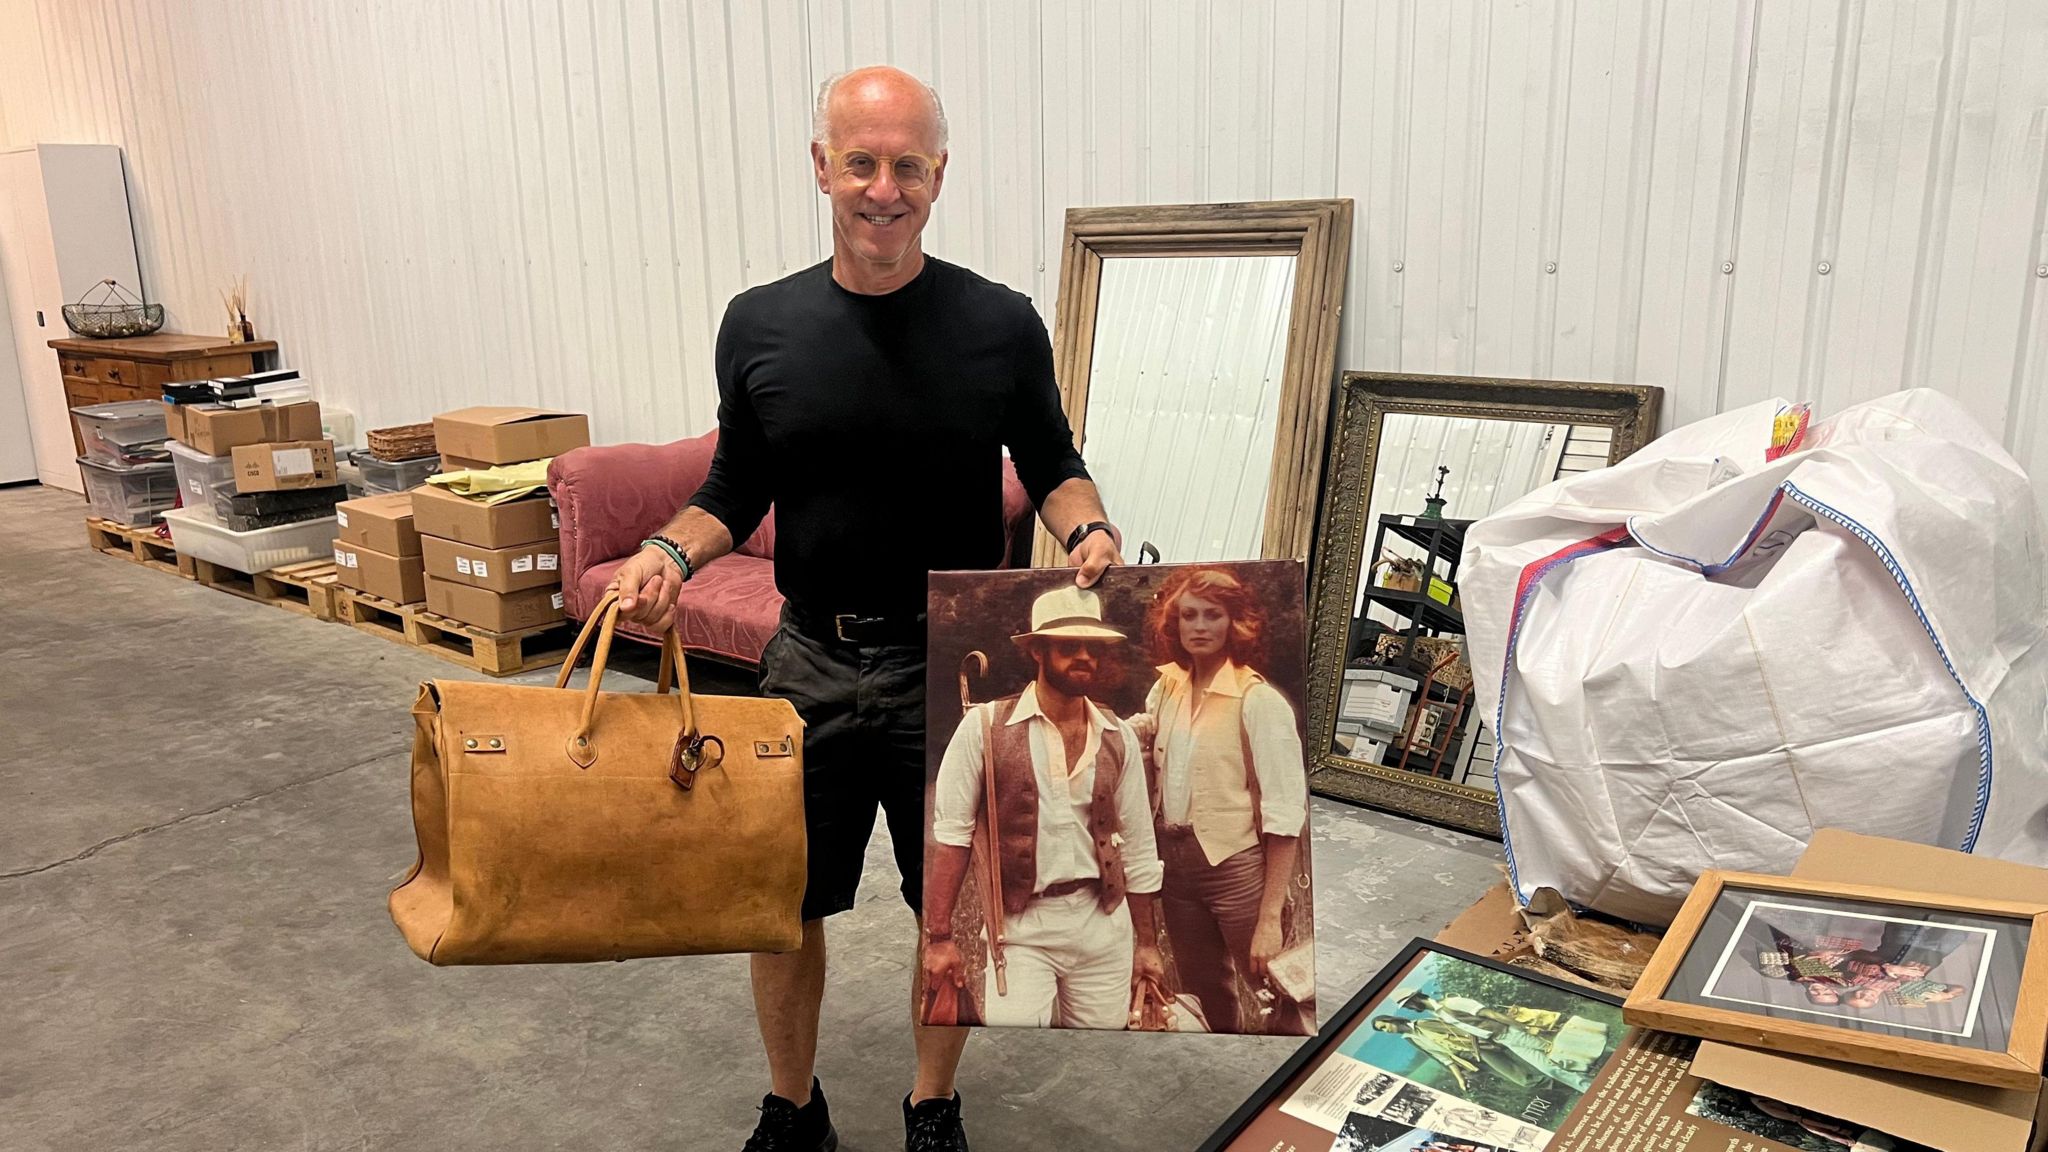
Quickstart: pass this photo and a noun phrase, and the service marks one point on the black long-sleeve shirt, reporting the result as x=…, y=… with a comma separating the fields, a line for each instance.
x=875, y=426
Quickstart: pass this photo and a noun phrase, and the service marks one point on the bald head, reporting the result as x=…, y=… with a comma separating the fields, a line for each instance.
x=879, y=92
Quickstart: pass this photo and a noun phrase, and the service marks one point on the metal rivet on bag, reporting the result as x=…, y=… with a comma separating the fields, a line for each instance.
x=497, y=743
x=2041, y=270
x=582, y=740
x=470, y=743
x=1397, y=266
x=1825, y=268
x=1727, y=267
x=1550, y=267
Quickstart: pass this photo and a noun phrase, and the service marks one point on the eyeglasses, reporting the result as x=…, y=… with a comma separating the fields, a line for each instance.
x=910, y=171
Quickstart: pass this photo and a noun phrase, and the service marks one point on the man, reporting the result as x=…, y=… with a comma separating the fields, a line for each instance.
x=1073, y=829
x=869, y=399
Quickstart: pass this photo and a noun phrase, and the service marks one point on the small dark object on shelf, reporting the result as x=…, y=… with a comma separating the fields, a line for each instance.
x=118, y=313
x=1433, y=505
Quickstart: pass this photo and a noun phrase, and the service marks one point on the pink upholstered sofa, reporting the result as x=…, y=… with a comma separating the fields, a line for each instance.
x=610, y=497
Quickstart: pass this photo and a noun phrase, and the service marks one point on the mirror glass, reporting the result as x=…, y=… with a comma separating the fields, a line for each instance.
x=1184, y=396
x=1406, y=702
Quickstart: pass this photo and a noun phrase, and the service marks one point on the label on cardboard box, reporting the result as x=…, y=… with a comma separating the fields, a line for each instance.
x=522, y=564
x=549, y=562
x=480, y=569
x=340, y=516
x=462, y=565
x=556, y=599
x=554, y=519
x=292, y=462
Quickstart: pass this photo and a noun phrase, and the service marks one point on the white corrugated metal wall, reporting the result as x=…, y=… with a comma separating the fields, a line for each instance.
x=550, y=200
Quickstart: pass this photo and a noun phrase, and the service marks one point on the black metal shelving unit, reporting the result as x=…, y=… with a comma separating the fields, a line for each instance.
x=1441, y=543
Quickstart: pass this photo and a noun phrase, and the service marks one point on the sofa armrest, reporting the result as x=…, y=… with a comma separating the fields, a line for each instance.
x=610, y=497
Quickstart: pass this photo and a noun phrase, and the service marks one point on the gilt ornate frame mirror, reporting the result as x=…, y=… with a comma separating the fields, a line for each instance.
x=1195, y=347
x=1413, y=460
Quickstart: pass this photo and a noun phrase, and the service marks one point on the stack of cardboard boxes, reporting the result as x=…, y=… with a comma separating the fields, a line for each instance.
x=377, y=548
x=244, y=471
x=496, y=566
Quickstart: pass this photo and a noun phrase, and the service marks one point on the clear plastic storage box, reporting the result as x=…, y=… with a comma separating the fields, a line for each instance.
x=202, y=537
x=122, y=433
x=382, y=476
x=206, y=482
x=133, y=495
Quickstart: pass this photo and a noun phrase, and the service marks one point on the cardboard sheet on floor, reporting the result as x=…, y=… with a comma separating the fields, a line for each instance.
x=1943, y=1114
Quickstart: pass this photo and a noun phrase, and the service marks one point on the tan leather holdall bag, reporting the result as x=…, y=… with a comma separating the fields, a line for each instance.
x=558, y=825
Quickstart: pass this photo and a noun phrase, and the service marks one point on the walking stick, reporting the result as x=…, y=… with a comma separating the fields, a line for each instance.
x=991, y=876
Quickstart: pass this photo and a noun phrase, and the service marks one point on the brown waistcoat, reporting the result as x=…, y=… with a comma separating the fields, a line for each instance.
x=1016, y=808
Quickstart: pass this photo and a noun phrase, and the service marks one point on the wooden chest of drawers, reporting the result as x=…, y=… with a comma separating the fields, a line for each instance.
x=103, y=371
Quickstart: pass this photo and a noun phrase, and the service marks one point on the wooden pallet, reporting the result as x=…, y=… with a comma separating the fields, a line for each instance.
x=136, y=545
x=492, y=653
x=306, y=588
x=374, y=614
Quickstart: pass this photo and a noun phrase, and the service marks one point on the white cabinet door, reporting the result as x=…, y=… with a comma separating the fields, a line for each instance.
x=30, y=371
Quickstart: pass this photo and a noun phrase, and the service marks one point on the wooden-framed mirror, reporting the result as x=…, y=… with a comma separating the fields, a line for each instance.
x=1390, y=725
x=1195, y=347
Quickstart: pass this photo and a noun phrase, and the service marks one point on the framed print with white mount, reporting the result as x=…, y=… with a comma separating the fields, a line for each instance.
x=1936, y=985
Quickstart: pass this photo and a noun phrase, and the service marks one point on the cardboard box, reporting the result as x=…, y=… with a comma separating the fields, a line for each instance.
x=284, y=466
x=216, y=431
x=508, y=435
x=1489, y=926
x=494, y=611
x=1944, y=1114
x=463, y=464
x=382, y=523
x=400, y=579
x=441, y=513
x=514, y=569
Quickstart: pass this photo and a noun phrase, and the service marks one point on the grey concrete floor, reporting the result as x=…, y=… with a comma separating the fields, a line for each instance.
x=203, y=802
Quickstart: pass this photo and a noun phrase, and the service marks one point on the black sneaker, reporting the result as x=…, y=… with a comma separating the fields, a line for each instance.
x=933, y=1126
x=784, y=1127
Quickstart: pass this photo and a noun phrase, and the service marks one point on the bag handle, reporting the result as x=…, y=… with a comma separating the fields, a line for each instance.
x=582, y=745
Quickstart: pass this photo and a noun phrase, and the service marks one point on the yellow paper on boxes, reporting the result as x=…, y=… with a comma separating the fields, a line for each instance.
x=495, y=485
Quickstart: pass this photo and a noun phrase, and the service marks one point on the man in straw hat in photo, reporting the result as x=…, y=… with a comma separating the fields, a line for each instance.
x=1057, y=780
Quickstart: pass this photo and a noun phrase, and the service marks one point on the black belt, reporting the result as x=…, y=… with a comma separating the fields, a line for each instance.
x=1069, y=887
x=859, y=629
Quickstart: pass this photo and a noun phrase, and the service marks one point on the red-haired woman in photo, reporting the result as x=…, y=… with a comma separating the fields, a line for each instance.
x=1230, y=798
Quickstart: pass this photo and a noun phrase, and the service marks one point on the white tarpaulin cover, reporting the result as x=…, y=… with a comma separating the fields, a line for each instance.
x=1700, y=655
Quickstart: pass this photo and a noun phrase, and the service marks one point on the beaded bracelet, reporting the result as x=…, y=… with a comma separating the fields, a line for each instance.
x=674, y=553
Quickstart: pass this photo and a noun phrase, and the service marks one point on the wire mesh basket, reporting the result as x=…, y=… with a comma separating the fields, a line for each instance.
x=115, y=314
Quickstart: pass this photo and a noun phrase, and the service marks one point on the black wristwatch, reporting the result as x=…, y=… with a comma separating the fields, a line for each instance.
x=1081, y=532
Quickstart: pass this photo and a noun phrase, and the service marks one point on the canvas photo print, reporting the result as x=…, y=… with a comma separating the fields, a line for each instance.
x=1943, y=977
x=1466, y=1053
x=1117, y=823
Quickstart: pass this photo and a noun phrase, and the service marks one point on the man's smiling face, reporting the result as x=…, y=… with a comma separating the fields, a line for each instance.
x=886, y=116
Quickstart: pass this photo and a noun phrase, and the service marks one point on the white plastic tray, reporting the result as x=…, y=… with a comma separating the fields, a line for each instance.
x=198, y=535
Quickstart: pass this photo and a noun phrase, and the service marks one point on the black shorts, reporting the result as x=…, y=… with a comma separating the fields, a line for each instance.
x=863, y=712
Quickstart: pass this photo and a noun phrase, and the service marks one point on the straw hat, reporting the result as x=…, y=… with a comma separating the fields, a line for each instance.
x=1069, y=612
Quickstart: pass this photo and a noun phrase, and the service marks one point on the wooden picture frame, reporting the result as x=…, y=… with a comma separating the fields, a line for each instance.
x=1272, y=1092
x=1628, y=411
x=2017, y=1065
x=1318, y=234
